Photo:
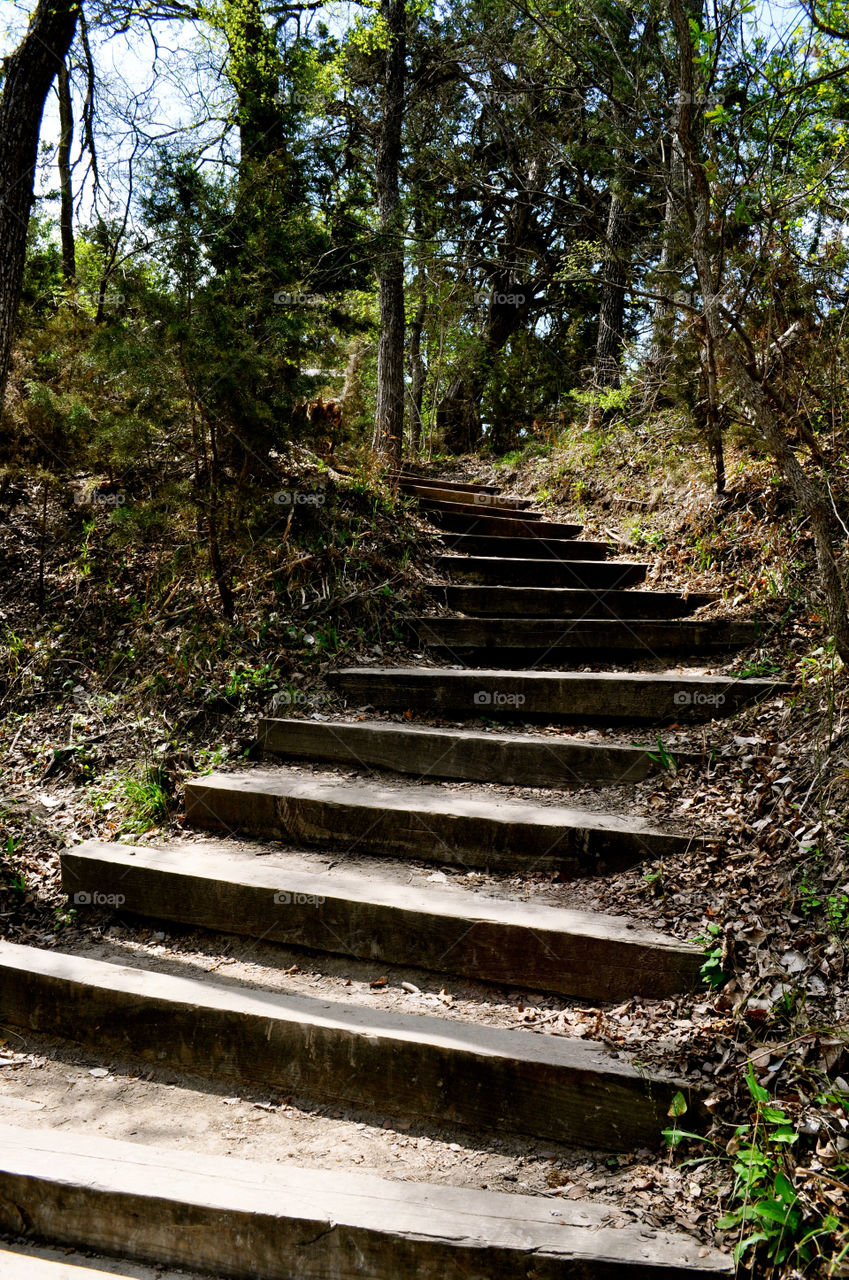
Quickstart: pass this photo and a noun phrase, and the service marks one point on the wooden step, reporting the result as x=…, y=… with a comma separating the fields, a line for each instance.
x=579, y=640
x=246, y=1219
x=566, y=602
x=430, y=824
x=551, y=695
x=517, y=760
x=28, y=1262
x=534, y=548
x=459, y=518
x=405, y=478
x=594, y=575
x=475, y=508
x=576, y=953
x=492, y=503
x=411, y=1067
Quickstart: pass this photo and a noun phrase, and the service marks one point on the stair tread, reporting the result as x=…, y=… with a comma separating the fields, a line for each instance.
x=417, y=1066
x=577, y=635
x=480, y=501
x=42, y=1263
x=560, y=602
x=456, y=902
x=509, y=758
x=426, y=799
x=316, y=1212
x=656, y=697
x=524, y=545
x=530, y=945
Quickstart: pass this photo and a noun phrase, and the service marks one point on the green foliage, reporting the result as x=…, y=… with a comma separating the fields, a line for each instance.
x=136, y=800
x=815, y=899
x=12, y=876
x=710, y=941
x=774, y=1225
x=664, y=758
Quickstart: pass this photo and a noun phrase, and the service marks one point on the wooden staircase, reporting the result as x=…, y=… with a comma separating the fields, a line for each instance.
x=528, y=593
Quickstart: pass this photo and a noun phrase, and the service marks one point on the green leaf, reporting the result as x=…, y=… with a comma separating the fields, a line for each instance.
x=740, y=1249
x=784, y=1188
x=772, y=1211
x=678, y=1105
x=674, y=1136
x=758, y=1092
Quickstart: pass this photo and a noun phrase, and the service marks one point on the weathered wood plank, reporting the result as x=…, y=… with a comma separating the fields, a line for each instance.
x=514, y=759
x=457, y=518
x=425, y=823
x=597, y=575
x=580, y=639
x=244, y=1219
x=551, y=695
x=22, y=1262
x=577, y=953
x=525, y=545
x=410, y=1067
x=434, y=492
x=460, y=486
x=476, y=508
x=566, y=602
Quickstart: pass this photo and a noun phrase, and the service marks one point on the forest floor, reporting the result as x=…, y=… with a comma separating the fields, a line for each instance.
x=120, y=678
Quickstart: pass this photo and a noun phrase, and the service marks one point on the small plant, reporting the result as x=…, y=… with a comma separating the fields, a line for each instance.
x=145, y=800
x=654, y=881
x=763, y=667
x=814, y=899
x=663, y=757
x=11, y=872
x=766, y=1197
x=711, y=943
x=775, y=1225
x=139, y=800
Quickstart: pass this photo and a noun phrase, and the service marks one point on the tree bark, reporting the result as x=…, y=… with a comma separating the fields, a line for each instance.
x=389, y=414
x=418, y=371
x=660, y=354
x=611, y=312
x=753, y=394
x=458, y=414
x=30, y=72
x=63, y=163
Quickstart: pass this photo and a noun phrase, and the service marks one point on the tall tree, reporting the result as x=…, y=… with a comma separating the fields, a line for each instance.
x=63, y=164
x=749, y=380
x=30, y=72
x=389, y=412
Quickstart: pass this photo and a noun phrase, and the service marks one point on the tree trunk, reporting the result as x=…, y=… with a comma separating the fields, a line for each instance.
x=418, y=371
x=458, y=415
x=63, y=163
x=29, y=74
x=611, y=312
x=660, y=354
x=389, y=414
x=812, y=501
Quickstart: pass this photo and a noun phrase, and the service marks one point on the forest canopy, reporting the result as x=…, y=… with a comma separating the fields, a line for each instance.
x=416, y=227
